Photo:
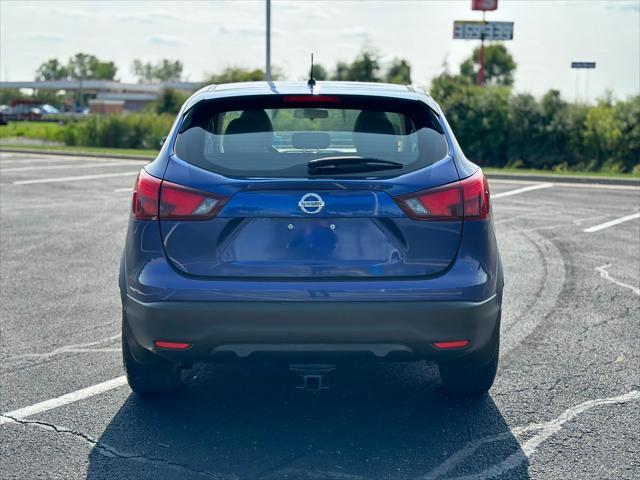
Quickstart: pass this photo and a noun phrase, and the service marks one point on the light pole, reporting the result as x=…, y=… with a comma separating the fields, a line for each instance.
x=267, y=70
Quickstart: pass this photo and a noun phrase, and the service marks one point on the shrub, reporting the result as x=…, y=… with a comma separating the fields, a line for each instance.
x=140, y=130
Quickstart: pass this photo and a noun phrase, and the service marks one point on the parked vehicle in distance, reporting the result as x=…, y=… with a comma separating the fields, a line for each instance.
x=330, y=223
x=28, y=110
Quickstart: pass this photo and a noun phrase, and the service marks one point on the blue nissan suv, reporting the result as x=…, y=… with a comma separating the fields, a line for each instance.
x=330, y=221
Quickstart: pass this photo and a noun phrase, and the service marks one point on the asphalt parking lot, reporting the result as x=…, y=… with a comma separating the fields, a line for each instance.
x=566, y=403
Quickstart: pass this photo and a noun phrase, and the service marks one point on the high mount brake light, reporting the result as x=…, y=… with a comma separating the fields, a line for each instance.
x=467, y=199
x=310, y=99
x=154, y=198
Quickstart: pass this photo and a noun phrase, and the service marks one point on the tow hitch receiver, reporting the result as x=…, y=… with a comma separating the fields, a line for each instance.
x=312, y=375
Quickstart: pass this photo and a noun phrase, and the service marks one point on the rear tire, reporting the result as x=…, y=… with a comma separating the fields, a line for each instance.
x=470, y=380
x=158, y=377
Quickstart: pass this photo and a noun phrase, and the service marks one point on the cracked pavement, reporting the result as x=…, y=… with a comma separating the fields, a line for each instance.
x=565, y=403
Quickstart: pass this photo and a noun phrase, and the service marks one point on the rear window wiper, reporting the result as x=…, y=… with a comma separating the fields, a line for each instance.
x=349, y=164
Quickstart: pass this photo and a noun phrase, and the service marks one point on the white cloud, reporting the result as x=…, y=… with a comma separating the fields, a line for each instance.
x=47, y=37
x=165, y=41
x=208, y=36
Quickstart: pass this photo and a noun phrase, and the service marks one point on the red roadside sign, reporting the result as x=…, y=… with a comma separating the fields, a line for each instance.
x=484, y=5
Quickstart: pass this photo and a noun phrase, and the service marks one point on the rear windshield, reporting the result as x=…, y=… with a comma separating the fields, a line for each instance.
x=278, y=136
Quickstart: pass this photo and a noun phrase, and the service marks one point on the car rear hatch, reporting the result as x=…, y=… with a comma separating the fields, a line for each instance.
x=305, y=187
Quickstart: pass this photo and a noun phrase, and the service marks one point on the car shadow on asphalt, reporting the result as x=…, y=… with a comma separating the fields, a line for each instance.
x=375, y=421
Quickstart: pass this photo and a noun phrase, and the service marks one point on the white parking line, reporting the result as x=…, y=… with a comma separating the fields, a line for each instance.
x=72, y=179
x=538, y=433
x=61, y=167
x=601, y=186
x=13, y=160
x=518, y=191
x=602, y=270
x=121, y=190
x=63, y=400
x=73, y=348
x=612, y=223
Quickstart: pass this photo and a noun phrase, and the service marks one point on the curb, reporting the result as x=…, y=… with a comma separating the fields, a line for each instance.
x=630, y=182
x=532, y=177
x=115, y=156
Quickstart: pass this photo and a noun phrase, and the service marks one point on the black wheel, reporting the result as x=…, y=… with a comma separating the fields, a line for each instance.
x=470, y=380
x=158, y=376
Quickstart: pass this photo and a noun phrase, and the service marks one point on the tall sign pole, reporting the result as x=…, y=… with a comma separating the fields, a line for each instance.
x=480, y=78
x=482, y=30
x=267, y=69
x=586, y=66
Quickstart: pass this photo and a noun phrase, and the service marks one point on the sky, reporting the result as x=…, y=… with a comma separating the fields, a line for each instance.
x=207, y=36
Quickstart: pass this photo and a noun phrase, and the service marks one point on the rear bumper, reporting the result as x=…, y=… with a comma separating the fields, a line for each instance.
x=389, y=330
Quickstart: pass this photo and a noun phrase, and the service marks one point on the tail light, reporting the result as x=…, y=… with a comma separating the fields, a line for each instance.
x=184, y=203
x=467, y=199
x=154, y=198
x=146, y=195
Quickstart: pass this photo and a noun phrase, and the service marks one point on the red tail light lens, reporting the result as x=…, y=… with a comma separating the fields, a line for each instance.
x=146, y=194
x=468, y=199
x=310, y=99
x=154, y=198
x=476, y=196
x=183, y=203
x=441, y=203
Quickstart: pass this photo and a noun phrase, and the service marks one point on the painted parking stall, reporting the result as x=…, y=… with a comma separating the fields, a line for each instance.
x=566, y=390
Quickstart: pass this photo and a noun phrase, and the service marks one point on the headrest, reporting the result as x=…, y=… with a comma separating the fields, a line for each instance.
x=259, y=118
x=374, y=135
x=257, y=125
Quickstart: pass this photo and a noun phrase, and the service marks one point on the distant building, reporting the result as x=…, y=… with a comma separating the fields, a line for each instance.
x=106, y=107
x=132, y=97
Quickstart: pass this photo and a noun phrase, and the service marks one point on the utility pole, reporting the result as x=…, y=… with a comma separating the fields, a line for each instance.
x=267, y=70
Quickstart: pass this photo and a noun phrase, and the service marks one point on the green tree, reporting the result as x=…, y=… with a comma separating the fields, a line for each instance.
x=104, y=70
x=238, y=74
x=525, y=120
x=319, y=72
x=602, y=135
x=169, y=101
x=341, y=72
x=163, y=71
x=365, y=68
x=499, y=65
x=83, y=66
x=399, y=72
x=627, y=115
x=478, y=116
x=52, y=69
x=144, y=71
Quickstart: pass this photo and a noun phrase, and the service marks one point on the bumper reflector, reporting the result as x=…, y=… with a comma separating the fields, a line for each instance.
x=451, y=344
x=171, y=345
